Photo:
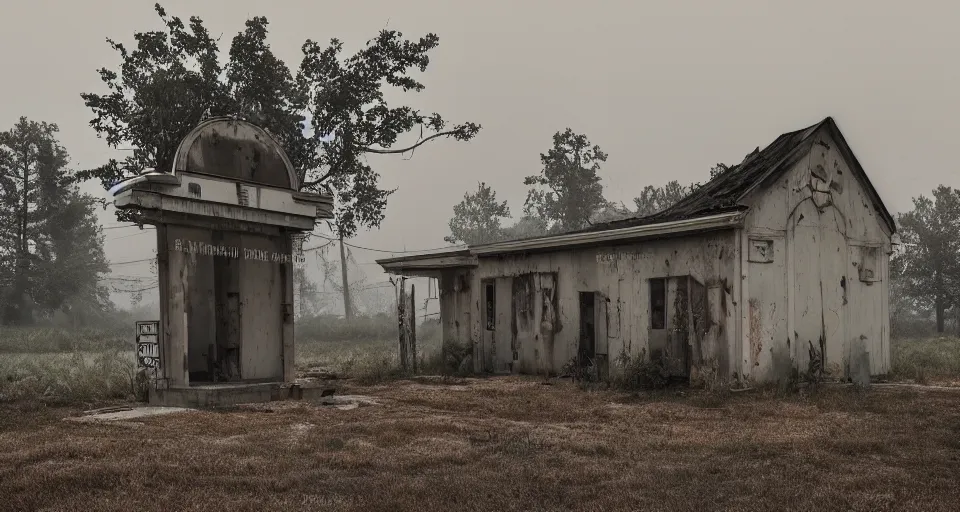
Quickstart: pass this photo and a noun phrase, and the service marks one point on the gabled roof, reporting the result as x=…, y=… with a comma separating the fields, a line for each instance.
x=718, y=204
x=726, y=192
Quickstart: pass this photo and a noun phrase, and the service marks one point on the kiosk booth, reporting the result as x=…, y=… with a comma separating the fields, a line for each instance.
x=225, y=216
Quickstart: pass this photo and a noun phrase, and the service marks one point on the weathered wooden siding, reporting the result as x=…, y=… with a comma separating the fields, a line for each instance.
x=619, y=274
x=263, y=294
x=456, y=298
x=805, y=236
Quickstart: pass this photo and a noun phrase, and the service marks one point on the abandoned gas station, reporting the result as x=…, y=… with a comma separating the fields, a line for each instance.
x=226, y=216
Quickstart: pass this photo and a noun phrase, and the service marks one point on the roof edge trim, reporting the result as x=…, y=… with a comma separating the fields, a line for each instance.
x=710, y=222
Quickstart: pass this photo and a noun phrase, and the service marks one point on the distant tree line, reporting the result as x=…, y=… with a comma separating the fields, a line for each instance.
x=566, y=195
x=925, y=267
x=51, y=246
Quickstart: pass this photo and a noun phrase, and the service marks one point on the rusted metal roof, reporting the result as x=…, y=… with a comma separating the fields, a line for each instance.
x=726, y=192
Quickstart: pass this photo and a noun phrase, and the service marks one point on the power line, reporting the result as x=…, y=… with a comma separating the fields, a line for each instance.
x=126, y=236
x=383, y=250
x=131, y=262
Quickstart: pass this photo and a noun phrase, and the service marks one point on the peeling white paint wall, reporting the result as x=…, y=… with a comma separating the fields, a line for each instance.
x=806, y=237
x=620, y=274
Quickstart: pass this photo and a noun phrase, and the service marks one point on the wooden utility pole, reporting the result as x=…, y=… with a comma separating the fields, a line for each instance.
x=347, y=304
x=401, y=320
x=413, y=325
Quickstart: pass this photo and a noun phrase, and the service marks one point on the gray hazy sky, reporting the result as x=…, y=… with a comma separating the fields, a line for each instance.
x=667, y=88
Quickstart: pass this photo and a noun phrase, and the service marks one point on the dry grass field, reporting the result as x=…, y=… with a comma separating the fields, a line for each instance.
x=500, y=444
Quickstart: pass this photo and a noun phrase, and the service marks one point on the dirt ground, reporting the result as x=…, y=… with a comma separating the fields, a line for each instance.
x=497, y=445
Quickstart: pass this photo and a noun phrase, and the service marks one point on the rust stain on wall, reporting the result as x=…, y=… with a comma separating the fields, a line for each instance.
x=756, y=334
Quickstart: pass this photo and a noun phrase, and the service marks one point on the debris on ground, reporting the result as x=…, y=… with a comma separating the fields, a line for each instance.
x=124, y=414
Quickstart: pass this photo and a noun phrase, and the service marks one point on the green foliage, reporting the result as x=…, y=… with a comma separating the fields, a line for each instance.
x=567, y=191
x=639, y=373
x=51, y=246
x=174, y=79
x=926, y=360
x=528, y=226
x=476, y=219
x=333, y=328
x=70, y=378
x=928, y=267
x=655, y=199
x=611, y=212
x=453, y=359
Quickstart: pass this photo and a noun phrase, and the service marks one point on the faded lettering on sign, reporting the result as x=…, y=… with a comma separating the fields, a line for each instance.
x=227, y=251
x=608, y=257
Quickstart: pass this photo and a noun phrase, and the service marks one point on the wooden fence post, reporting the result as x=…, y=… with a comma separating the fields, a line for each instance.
x=401, y=320
x=413, y=325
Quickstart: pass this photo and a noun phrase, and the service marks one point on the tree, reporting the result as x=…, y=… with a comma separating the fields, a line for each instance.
x=309, y=298
x=51, y=247
x=476, y=219
x=174, y=79
x=567, y=191
x=528, y=226
x=610, y=212
x=930, y=234
x=655, y=199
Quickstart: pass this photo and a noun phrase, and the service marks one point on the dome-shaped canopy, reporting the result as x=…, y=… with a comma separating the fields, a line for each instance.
x=236, y=150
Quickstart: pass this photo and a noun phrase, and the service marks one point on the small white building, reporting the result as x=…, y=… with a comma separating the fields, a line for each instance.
x=778, y=260
x=226, y=215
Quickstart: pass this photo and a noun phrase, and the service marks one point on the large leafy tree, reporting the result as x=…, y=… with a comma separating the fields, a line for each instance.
x=930, y=263
x=528, y=226
x=567, y=191
x=656, y=199
x=175, y=77
x=51, y=247
x=476, y=219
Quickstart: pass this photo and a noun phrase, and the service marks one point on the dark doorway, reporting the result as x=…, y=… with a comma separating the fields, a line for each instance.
x=588, y=332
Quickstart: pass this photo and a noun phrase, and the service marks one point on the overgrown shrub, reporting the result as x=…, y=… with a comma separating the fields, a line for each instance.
x=453, y=358
x=639, y=373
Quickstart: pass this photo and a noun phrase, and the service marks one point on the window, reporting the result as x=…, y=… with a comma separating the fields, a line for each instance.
x=658, y=303
x=490, y=308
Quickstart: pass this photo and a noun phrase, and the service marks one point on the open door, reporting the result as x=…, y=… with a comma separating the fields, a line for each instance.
x=602, y=329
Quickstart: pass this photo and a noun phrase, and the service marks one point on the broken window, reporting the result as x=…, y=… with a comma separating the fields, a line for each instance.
x=490, y=307
x=869, y=264
x=761, y=251
x=658, y=303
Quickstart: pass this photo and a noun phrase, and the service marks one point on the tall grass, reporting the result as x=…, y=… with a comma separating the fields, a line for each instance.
x=39, y=340
x=925, y=359
x=62, y=378
x=59, y=365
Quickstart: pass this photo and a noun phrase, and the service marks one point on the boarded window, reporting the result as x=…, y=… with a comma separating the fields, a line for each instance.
x=869, y=264
x=490, y=307
x=761, y=250
x=658, y=303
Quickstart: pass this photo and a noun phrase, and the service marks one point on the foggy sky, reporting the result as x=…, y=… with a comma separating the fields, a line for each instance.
x=667, y=88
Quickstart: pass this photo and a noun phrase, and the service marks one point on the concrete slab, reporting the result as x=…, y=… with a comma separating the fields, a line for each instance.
x=127, y=414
